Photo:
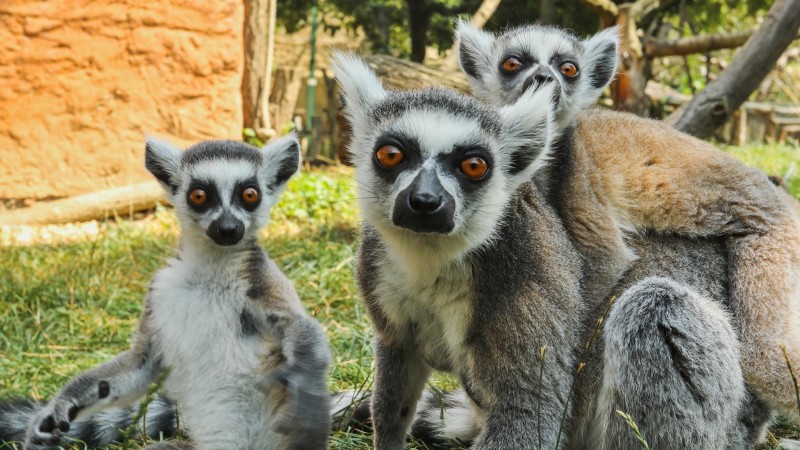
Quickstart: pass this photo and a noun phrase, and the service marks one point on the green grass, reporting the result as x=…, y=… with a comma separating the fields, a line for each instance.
x=67, y=307
x=779, y=160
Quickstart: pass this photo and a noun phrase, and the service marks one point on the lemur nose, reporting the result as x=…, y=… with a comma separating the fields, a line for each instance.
x=424, y=202
x=539, y=78
x=228, y=229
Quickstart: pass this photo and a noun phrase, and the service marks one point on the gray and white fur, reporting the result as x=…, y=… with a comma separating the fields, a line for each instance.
x=667, y=355
x=474, y=277
x=440, y=258
x=540, y=50
x=221, y=323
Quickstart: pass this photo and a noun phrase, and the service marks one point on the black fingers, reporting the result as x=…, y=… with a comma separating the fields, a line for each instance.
x=103, y=389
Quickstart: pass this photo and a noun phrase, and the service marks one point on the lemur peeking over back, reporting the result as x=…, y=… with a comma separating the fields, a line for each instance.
x=245, y=362
x=615, y=172
x=466, y=268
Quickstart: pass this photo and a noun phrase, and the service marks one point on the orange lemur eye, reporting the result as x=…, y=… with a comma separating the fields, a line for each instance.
x=198, y=197
x=569, y=69
x=389, y=156
x=250, y=195
x=474, y=167
x=511, y=64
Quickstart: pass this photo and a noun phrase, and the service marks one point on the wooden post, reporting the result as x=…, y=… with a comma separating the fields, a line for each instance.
x=741, y=139
x=258, y=34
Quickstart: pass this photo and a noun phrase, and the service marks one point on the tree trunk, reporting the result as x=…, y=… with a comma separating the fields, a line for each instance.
x=402, y=74
x=255, y=91
x=547, y=12
x=122, y=201
x=696, y=44
x=485, y=11
x=479, y=19
x=419, y=20
x=714, y=106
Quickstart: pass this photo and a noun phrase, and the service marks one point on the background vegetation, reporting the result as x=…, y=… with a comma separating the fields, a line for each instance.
x=67, y=307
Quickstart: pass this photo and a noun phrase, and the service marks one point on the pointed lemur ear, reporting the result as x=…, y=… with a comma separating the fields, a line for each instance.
x=529, y=132
x=474, y=48
x=163, y=160
x=602, y=58
x=360, y=87
x=282, y=161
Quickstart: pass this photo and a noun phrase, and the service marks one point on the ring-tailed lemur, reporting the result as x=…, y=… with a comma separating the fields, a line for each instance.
x=613, y=172
x=465, y=268
x=667, y=355
x=243, y=359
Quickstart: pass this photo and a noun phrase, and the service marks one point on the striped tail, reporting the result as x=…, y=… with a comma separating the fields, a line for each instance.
x=98, y=430
x=442, y=419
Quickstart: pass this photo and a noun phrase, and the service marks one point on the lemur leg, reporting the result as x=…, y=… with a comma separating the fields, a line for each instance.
x=671, y=361
x=299, y=384
x=765, y=299
x=754, y=417
x=115, y=383
x=400, y=377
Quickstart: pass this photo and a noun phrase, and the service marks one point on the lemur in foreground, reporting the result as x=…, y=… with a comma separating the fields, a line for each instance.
x=466, y=268
x=613, y=173
x=238, y=352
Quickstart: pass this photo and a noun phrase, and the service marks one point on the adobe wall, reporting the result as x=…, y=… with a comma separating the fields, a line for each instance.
x=82, y=81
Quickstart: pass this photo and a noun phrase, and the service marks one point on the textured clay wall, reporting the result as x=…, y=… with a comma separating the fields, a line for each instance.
x=82, y=82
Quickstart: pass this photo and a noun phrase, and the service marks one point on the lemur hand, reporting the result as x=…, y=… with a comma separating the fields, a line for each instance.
x=50, y=425
x=303, y=413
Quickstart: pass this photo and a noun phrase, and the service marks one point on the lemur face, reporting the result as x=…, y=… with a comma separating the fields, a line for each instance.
x=501, y=67
x=435, y=166
x=223, y=190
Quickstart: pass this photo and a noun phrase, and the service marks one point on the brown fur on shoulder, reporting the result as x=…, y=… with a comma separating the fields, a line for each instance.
x=621, y=173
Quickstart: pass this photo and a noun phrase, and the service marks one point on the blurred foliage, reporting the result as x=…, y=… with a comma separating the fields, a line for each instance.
x=697, y=18
x=385, y=23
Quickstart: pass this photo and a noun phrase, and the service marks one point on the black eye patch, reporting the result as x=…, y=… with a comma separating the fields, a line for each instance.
x=212, y=195
x=238, y=194
x=526, y=59
x=452, y=161
x=411, y=155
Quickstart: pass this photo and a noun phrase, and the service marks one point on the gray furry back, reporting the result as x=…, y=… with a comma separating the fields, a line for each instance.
x=669, y=330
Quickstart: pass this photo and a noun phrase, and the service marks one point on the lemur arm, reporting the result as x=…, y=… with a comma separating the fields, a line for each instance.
x=115, y=383
x=522, y=396
x=400, y=376
x=297, y=384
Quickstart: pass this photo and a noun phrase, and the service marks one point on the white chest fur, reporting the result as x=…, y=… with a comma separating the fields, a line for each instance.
x=196, y=322
x=434, y=305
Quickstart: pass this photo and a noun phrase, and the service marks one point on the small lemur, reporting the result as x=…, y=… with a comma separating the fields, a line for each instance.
x=614, y=173
x=466, y=268
x=244, y=361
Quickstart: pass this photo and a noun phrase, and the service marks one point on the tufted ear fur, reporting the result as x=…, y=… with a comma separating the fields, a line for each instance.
x=529, y=130
x=602, y=58
x=282, y=158
x=474, y=47
x=163, y=160
x=360, y=87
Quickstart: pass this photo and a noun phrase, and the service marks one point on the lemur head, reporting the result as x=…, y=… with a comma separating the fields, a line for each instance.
x=501, y=67
x=222, y=190
x=437, y=168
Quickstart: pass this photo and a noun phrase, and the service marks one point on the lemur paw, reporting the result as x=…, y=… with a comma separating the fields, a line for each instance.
x=47, y=428
x=302, y=403
x=305, y=420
